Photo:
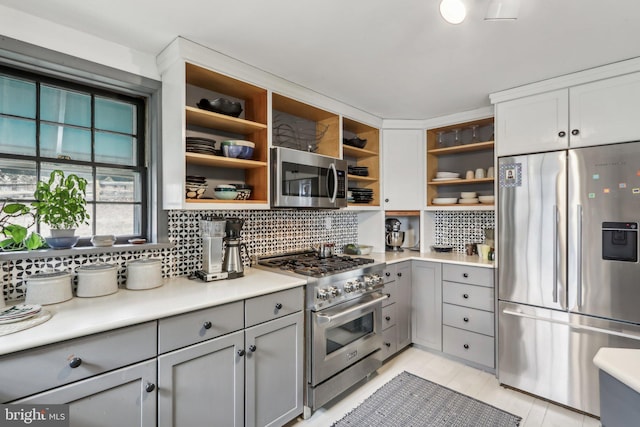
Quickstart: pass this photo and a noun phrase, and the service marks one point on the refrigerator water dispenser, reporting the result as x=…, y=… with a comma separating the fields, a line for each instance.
x=620, y=241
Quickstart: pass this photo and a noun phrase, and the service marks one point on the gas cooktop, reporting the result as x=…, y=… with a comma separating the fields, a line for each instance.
x=309, y=264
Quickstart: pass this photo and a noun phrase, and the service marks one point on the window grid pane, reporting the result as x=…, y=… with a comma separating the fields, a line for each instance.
x=66, y=116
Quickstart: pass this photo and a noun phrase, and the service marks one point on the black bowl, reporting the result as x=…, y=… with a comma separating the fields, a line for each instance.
x=222, y=106
x=355, y=142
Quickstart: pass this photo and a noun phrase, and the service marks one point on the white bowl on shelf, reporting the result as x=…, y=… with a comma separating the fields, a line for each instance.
x=468, y=195
x=445, y=201
x=487, y=199
x=468, y=201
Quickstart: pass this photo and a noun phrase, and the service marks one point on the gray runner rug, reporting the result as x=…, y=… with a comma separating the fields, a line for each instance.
x=410, y=401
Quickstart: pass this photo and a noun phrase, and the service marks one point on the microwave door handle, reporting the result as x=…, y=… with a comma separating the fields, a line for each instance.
x=326, y=318
x=333, y=193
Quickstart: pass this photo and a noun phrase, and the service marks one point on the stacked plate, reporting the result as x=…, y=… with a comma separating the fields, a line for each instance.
x=468, y=198
x=195, y=186
x=361, y=195
x=19, y=312
x=446, y=176
x=358, y=170
x=201, y=146
x=445, y=200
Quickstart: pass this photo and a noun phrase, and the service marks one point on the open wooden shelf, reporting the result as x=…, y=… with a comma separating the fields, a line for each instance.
x=223, y=162
x=361, y=178
x=402, y=213
x=461, y=181
x=467, y=148
x=216, y=201
x=359, y=153
x=211, y=120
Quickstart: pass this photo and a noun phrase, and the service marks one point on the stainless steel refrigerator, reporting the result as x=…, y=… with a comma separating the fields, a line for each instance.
x=568, y=271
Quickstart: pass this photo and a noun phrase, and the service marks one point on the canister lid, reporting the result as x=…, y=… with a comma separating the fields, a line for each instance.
x=145, y=261
x=98, y=266
x=48, y=275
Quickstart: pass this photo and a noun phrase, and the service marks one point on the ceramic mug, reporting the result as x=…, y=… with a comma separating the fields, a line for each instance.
x=469, y=175
x=479, y=173
x=470, y=248
x=490, y=172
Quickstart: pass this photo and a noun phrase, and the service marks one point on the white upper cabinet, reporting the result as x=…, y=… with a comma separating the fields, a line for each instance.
x=531, y=124
x=403, y=163
x=605, y=111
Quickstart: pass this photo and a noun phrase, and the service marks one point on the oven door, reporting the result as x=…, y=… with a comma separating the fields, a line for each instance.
x=344, y=334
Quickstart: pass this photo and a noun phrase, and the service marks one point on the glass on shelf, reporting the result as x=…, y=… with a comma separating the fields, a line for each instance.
x=441, y=141
x=456, y=137
x=474, y=134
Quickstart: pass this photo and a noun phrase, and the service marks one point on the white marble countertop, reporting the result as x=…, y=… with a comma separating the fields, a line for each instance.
x=622, y=364
x=447, y=258
x=84, y=316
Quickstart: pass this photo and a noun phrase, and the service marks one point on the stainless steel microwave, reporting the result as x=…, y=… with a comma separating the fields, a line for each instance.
x=300, y=179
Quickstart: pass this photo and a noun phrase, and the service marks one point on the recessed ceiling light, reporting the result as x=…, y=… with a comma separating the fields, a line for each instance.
x=453, y=11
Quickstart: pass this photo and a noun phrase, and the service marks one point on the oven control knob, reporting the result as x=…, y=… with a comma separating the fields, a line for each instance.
x=351, y=286
x=377, y=279
x=323, y=294
x=333, y=291
x=368, y=282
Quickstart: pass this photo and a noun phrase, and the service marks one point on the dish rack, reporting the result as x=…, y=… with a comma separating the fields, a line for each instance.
x=299, y=134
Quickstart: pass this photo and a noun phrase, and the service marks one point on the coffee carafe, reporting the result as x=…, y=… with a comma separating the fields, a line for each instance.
x=212, y=231
x=232, y=264
x=394, y=238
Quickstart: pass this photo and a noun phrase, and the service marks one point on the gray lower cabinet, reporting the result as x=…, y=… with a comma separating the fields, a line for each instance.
x=396, y=310
x=203, y=384
x=274, y=371
x=403, y=302
x=426, y=304
x=124, y=397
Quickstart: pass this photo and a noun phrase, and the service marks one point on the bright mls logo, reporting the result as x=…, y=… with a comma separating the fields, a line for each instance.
x=34, y=415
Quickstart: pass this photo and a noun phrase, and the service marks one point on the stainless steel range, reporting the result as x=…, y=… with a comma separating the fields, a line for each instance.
x=343, y=320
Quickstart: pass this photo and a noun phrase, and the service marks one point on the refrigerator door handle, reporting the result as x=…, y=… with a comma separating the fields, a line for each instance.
x=555, y=253
x=579, y=255
x=573, y=326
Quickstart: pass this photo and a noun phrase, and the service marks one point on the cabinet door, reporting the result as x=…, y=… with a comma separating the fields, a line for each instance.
x=426, y=304
x=533, y=124
x=274, y=369
x=403, y=161
x=124, y=397
x=403, y=303
x=605, y=112
x=203, y=384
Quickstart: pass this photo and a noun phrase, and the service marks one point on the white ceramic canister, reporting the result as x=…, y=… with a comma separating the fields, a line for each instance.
x=49, y=288
x=144, y=273
x=96, y=280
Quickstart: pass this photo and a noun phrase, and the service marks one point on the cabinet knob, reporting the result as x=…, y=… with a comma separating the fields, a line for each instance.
x=399, y=274
x=562, y=134
x=207, y=325
x=466, y=319
x=465, y=296
x=388, y=344
x=387, y=274
x=278, y=306
x=75, y=362
x=465, y=275
x=466, y=346
x=241, y=352
x=575, y=132
x=252, y=348
x=387, y=318
x=150, y=387
x=386, y=200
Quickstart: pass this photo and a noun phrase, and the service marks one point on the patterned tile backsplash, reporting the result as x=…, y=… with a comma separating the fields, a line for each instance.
x=264, y=232
x=456, y=228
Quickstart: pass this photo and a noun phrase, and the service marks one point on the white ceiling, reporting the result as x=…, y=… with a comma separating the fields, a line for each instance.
x=396, y=59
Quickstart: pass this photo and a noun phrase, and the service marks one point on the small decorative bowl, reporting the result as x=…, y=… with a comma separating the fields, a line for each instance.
x=103, y=240
x=355, y=142
x=238, y=149
x=225, y=192
x=62, y=242
x=222, y=106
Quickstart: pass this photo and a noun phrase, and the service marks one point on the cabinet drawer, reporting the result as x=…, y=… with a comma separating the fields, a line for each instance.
x=468, y=345
x=271, y=306
x=389, y=274
x=468, y=295
x=190, y=328
x=473, y=320
x=471, y=275
x=390, y=289
x=388, y=316
x=33, y=371
x=389, y=341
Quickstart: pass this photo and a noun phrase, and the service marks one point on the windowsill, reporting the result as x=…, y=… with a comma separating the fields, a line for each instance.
x=82, y=250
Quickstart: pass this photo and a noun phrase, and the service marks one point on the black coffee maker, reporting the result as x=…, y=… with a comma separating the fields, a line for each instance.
x=232, y=263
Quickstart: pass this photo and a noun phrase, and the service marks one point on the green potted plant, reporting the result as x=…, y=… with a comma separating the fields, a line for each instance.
x=61, y=203
x=17, y=237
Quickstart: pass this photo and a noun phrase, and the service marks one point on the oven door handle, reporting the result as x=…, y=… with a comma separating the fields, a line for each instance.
x=323, y=318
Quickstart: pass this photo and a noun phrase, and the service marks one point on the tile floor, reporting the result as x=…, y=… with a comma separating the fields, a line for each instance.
x=472, y=382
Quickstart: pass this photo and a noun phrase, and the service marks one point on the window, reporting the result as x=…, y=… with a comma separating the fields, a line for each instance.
x=48, y=124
